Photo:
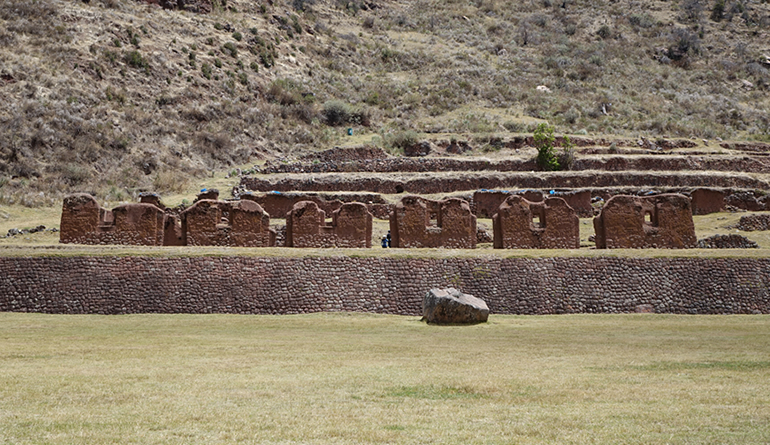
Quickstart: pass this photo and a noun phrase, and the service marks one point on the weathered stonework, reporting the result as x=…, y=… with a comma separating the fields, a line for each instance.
x=522, y=224
x=210, y=222
x=351, y=226
x=420, y=222
x=756, y=222
x=705, y=201
x=83, y=221
x=634, y=222
x=249, y=285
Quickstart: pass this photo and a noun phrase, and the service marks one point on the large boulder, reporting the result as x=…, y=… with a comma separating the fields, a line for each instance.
x=450, y=306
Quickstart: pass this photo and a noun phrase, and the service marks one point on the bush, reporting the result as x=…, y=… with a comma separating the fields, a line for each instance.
x=135, y=59
x=718, y=11
x=402, y=139
x=206, y=70
x=546, y=159
x=336, y=112
x=231, y=49
x=567, y=155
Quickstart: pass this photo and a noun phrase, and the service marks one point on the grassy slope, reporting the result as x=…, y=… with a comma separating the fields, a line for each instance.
x=342, y=378
x=106, y=96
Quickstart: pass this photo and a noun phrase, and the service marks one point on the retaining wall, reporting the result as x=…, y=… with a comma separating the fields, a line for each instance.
x=428, y=183
x=248, y=285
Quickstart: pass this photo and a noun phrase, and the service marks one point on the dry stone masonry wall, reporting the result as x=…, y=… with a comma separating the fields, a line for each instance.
x=248, y=285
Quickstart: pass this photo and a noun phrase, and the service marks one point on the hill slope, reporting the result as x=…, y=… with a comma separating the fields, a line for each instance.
x=116, y=96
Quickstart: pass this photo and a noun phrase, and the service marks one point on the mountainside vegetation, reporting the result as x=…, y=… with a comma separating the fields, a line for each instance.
x=118, y=96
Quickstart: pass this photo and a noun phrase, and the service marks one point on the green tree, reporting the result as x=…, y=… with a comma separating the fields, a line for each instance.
x=546, y=158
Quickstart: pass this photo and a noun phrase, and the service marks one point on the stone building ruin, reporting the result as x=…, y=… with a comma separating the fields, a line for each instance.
x=420, y=222
x=634, y=222
x=211, y=222
x=83, y=221
x=350, y=226
x=523, y=224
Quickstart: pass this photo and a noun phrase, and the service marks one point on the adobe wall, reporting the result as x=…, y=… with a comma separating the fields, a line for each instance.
x=636, y=222
x=419, y=222
x=522, y=224
x=83, y=221
x=248, y=285
x=351, y=226
x=210, y=222
x=277, y=205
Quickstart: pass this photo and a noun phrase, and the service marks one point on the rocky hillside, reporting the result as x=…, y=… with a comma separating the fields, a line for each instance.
x=117, y=96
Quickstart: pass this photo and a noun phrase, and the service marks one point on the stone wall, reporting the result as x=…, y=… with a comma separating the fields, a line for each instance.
x=420, y=222
x=248, y=285
x=351, y=226
x=549, y=224
x=635, y=222
x=751, y=223
x=210, y=222
x=83, y=221
x=323, y=163
x=429, y=183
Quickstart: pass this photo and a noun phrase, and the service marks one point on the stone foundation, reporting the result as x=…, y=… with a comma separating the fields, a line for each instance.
x=248, y=285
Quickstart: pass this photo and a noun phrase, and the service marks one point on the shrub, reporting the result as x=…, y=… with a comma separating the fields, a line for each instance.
x=168, y=180
x=206, y=71
x=566, y=156
x=336, y=112
x=135, y=59
x=690, y=11
x=402, y=139
x=718, y=11
x=604, y=32
x=237, y=36
x=543, y=137
x=231, y=49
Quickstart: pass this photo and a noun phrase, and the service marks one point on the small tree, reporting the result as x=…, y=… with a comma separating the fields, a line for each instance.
x=546, y=158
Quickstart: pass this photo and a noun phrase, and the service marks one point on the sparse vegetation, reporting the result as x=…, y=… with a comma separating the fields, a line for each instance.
x=660, y=71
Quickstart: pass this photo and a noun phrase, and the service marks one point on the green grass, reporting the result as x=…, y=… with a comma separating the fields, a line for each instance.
x=345, y=378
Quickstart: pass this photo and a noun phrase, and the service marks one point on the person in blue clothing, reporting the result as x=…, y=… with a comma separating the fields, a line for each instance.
x=384, y=242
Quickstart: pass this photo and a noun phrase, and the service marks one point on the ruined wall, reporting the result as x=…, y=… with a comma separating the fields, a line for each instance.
x=486, y=202
x=83, y=221
x=705, y=201
x=351, y=226
x=248, y=285
x=751, y=223
x=210, y=222
x=340, y=163
x=522, y=224
x=420, y=222
x=660, y=221
x=428, y=183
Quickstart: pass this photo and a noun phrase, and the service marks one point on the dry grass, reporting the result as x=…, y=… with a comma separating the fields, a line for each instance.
x=109, y=96
x=355, y=378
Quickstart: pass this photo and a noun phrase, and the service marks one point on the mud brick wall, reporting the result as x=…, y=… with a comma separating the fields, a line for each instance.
x=249, y=285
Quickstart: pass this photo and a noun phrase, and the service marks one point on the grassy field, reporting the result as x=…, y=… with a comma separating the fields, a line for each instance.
x=344, y=378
